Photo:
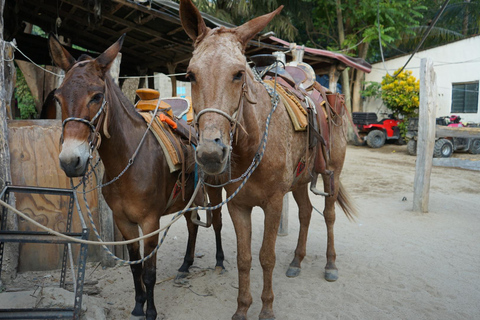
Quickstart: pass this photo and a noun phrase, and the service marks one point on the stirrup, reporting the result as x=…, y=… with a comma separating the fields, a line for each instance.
x=313, y=187
x=195, y=218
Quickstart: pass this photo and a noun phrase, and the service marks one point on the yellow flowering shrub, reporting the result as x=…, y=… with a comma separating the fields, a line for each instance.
x=401, y=93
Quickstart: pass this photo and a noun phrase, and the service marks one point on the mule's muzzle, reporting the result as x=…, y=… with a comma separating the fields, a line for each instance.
x=212, y=156
x=74, y=159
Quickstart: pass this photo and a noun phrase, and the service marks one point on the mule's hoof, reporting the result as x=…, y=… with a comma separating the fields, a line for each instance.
x=266, y=315
x=132, y=317
x=238, y=317
x=181, y=277
x=331, y=275
x=220, y=270
x=293, y=272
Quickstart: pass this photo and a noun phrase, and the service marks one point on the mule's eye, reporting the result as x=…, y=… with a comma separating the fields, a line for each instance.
x=190, y=76
x=238, y=76
x=97, y=98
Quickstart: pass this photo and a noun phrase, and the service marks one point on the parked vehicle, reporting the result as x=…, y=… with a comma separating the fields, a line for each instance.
x=444, y=146
x=375, y=133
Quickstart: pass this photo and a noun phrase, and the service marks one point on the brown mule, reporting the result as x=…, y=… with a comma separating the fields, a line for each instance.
x=139, y=197
x=226, y=96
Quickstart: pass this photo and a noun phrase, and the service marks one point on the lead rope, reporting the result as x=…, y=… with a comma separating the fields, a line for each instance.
x=255, y=163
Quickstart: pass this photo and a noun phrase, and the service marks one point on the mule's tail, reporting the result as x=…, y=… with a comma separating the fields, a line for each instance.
x=345, y=202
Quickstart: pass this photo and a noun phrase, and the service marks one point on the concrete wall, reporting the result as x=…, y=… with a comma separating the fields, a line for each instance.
x=453, y=63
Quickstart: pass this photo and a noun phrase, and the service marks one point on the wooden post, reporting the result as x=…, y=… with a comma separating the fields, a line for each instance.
x=171, y=70
x=283, y=229
x=10, y=254
x=10, y=73
x=426, y=136
x=333, y=75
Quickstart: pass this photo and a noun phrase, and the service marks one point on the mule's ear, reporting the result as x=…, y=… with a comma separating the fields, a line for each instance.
x=105, y=60
x=249, y=29
x=60, y=56
x=192, y=21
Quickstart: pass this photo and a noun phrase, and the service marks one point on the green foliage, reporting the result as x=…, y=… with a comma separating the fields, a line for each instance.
x=26, y=102
x=286, y=25
x=372, y=90
x=401, y=93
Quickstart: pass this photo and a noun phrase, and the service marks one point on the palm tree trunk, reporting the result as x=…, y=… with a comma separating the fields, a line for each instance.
x=345, y=76
x=465, y=19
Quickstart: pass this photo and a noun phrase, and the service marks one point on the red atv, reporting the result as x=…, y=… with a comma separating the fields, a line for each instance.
x=374, y=132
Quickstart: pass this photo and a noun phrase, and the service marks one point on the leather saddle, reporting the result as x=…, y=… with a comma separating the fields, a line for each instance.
x=298, y=78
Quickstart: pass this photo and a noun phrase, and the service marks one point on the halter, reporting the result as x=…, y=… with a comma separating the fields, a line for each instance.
x=237, y=115
x=95, y=142
x=234, y=120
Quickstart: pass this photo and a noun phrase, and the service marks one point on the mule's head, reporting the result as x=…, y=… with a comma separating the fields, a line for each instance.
x=218, y=73
x=82, y=100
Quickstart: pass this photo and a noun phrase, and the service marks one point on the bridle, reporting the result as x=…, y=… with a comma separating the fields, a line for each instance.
x=234, y=125
x=95, y=141
x=237, y=114
x=234, y=120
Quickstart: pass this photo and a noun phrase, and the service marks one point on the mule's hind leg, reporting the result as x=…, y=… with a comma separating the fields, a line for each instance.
x=190, y=253
x=304, y=214
x=215, y=195
x=331, y=271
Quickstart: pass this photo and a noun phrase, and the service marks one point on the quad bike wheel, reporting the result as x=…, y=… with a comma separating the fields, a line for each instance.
x=376, y=139
x=443, y=148
x=412, y=147
x=475, y=146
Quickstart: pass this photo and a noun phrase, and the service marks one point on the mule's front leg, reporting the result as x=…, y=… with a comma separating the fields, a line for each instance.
x=150, y=267
x=130, y=231
x=267, y=254
x=243, y=228
x=137, y=271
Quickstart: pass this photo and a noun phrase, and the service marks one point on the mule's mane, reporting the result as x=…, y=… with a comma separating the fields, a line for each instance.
x=84, y=57
x=113, y=93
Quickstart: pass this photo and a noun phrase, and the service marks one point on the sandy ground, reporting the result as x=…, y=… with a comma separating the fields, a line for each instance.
x=393, y=263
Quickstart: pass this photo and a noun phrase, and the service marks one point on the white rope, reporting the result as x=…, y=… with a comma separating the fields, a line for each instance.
x=38, y=66
x=155, y=75
x=96, y=243
x=61, y=75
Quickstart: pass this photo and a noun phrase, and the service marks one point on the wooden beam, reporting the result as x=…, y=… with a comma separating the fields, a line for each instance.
x=163, y=15
x=426, y=136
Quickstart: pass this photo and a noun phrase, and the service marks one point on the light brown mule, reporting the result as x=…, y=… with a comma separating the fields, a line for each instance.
x=223, y=92
x=140, y=196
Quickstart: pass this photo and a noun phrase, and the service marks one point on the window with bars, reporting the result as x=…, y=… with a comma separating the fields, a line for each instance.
x=465, y=97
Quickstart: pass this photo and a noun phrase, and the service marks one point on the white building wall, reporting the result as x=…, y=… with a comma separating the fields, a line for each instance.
x=453, y=63
x=164, y=85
